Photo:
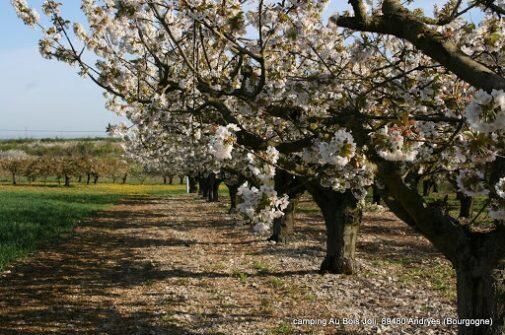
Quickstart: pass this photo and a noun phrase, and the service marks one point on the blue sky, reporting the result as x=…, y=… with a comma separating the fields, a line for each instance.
x=40, y=94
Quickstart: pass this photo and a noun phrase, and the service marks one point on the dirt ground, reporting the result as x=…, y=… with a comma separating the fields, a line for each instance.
x=179, y=265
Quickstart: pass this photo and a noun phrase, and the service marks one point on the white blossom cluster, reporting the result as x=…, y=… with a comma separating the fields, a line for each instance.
x=486, y=112
x=261, y=205
x=262, y=165
x=497, y=208
x=472, y=183
x=392, y=145
x=500, y=188
x=221, y=144
x=339, y=151
x=27, y=14
x=346, y=168
x=13, y=154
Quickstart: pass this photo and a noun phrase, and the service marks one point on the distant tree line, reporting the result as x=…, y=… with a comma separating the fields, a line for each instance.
x=72, y=161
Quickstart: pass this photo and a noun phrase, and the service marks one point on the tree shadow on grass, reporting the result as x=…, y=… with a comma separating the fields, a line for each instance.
x=67, y=321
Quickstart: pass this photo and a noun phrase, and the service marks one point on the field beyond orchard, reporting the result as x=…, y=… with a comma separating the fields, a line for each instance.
x=36, y=215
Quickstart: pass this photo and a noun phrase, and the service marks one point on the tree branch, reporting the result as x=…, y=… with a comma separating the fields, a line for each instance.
x=400, y=22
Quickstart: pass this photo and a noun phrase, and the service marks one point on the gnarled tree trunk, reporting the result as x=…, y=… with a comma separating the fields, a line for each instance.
x=481, y=295
x=283, y=227
x=478, y=257
x=342, y=218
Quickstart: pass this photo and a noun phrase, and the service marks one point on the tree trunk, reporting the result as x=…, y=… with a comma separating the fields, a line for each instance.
x=481, y=278
x=283, y=227
x=164, y=180
x=203, y=188
x=342, y=219
x=477, y=256
x=426, y=187
x=124, y=178
x=95, y=179
x=88, y=178
x=215, y=190
x=67, y=181
x=213, y=187
x=170, y=180
x=193, y=186
x=376, y=197
x=466, y=205
x=210, y=187
x=233, y=191
x=181, y=180
x=14, y=182
x=481, y=295
x=79, y=179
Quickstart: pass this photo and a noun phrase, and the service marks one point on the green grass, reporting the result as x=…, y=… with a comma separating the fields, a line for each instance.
x=242, y=276
x=440, y=275
x=261, y=267
x=307, y=206
x=32, y=216
x=283, y=329
x=276, y=282
x=453, y=206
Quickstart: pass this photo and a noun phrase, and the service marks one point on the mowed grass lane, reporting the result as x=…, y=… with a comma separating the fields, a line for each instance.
x=32, y=216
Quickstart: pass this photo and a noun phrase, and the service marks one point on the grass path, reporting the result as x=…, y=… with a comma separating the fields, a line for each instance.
x=177, y=265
